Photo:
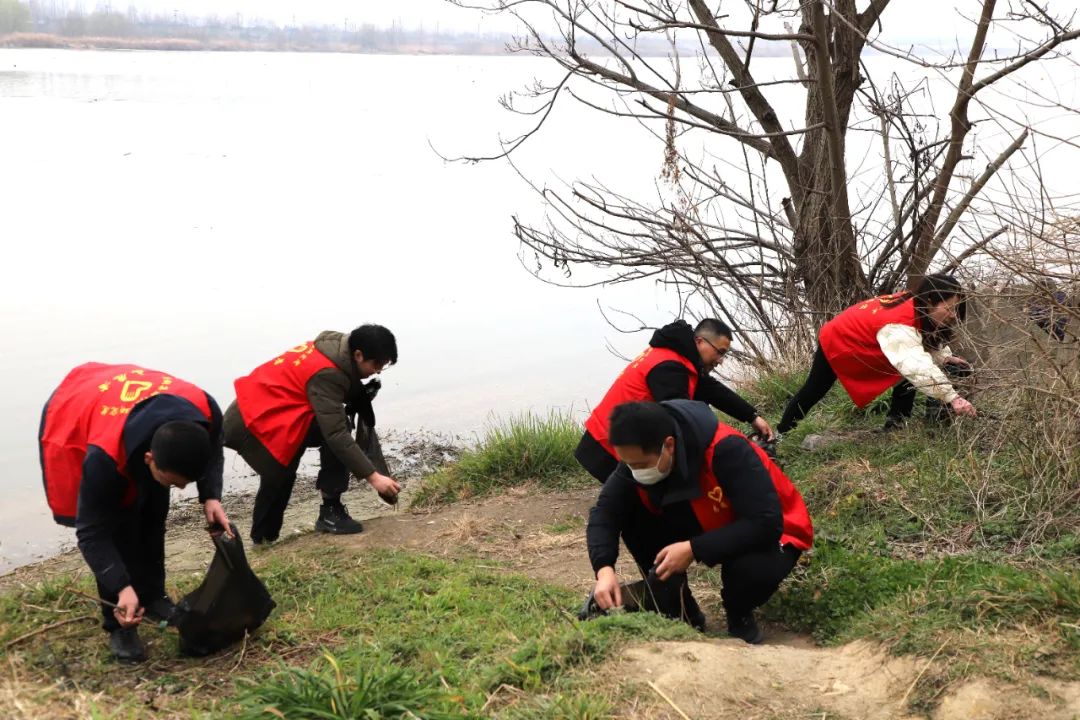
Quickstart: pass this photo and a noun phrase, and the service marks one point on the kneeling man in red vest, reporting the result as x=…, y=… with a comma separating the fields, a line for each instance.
x=306, y=397
x=690, y=489
x=113, y=440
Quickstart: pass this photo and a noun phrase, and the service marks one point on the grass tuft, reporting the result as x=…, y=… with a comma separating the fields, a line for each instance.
x=329, y=692
x=520, y=449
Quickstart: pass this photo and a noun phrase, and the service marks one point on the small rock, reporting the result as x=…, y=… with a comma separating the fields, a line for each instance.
x=813, y=443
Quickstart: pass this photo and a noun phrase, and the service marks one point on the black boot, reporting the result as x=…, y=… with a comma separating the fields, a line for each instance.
x=161, y=609
x=334, y=518
x=126, y=645
x=745, y=628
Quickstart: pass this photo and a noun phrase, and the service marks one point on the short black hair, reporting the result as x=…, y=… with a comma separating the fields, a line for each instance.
x=376, y=342
x=644, y=424
x=714, y=328
x=181, y=447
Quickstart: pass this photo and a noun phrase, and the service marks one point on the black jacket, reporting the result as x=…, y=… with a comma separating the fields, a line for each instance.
x=671, y=380
x=102, y=487
x=740, y=473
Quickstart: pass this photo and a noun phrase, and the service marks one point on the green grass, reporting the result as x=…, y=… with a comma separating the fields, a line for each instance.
x=379, y=635
x=959, y=538
x=520, y=449
x=329, y=692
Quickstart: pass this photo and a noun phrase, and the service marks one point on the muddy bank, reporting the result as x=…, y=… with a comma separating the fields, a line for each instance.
x=411, y=456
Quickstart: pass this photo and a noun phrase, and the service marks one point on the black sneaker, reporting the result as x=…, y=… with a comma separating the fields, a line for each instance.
x=334, y=518
x=745, y=628
x=126, y=645
x=161, y=609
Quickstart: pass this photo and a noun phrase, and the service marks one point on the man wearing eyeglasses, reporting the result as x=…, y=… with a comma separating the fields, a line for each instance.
x=676, y=366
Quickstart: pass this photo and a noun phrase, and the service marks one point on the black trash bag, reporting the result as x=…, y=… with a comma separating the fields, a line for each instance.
x=230, y=601
x=670, y=598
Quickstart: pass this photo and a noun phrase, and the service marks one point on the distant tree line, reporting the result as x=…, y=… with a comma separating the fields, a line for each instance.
x=75, y=20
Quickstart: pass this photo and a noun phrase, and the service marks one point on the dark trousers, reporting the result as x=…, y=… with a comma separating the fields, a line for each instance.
x=140, y=538
x=592, y=456
x=749, y=580
x=820, y=381
x=276, y=480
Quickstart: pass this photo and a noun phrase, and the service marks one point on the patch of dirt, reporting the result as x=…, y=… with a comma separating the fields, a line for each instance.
x=982, y=699
x=729, y=679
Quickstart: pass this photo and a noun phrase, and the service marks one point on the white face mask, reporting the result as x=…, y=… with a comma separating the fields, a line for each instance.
x=649, y=476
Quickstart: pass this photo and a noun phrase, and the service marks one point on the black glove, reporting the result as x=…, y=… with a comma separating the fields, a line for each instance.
x=370, y=389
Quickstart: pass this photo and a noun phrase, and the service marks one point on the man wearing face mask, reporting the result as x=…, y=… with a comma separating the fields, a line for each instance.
x=304, y=398
x=113, y=440
x=689, y=488
x=676, y=365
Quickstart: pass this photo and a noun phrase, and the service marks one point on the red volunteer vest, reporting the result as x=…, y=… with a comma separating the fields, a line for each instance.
x=630, y=386
x=850, y=344
x=273, y=400
x=90, y=408
x=713, y=510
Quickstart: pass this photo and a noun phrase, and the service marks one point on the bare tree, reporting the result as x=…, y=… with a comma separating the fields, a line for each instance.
x=791, y=238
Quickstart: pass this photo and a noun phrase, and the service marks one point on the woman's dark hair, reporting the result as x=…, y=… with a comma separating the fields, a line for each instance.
x=181, y=447
x=376, y=342
x=934, y=289
x=644, y=424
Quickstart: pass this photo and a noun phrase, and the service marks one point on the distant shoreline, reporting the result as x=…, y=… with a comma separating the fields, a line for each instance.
x=483, y=47
x=63, y=42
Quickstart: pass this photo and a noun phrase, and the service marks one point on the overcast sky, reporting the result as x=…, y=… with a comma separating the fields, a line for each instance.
x=933, y=20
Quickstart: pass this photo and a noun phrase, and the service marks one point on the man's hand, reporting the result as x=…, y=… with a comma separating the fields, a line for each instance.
x=763, y=428
x=961, y=406
x=607, y=592
x=215, y=515
x=385, y=485
x=127, y=610
x=673, y=559
x=957, y=360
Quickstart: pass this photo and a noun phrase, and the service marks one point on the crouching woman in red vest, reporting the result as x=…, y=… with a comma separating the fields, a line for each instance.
x=113, y=440
x=689, y=488
x=303, y=398
x=893, y=341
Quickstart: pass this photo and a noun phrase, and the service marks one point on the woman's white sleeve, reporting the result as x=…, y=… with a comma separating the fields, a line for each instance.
x=903, y=347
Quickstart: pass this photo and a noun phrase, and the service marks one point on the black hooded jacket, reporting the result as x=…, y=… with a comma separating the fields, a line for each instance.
x=746, y=483
x=671, y=380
